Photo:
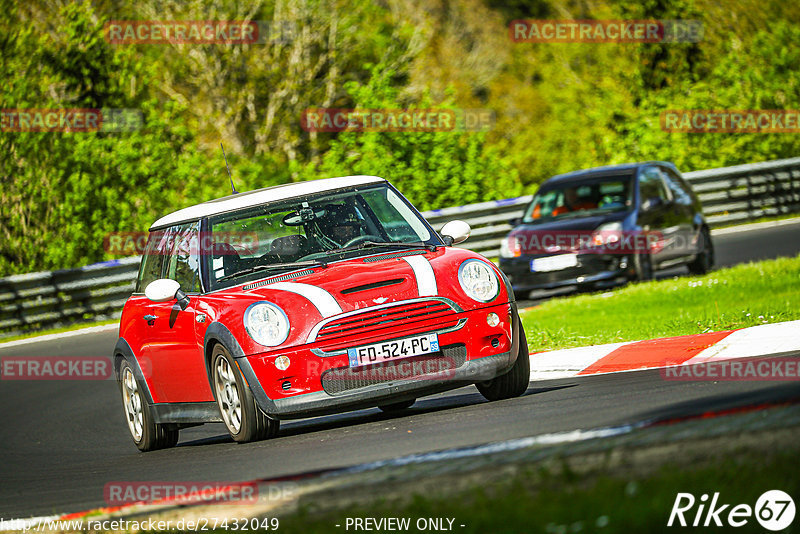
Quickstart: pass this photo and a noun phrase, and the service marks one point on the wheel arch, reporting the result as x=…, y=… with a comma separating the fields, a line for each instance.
x=123, y=351
x=219, y=333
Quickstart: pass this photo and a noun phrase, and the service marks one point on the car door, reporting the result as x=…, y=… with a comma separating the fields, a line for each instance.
x=174, y=352
x=689, y=239
x=134, y=325
x=656, y=216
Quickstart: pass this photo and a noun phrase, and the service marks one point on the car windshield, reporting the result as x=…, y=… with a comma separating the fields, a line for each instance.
x=579, y=199
x=311, y=231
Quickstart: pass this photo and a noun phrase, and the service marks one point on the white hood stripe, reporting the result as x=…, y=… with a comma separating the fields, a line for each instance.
x=423, y=272
x=320, y=298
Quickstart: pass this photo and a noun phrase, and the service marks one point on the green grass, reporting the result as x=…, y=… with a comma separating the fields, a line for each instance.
x=561, y=501
x=746, y=295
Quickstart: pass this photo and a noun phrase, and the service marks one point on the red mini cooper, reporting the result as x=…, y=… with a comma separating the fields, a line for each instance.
x=308, y=299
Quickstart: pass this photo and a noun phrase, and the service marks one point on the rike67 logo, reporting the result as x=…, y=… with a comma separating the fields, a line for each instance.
x=774, y=510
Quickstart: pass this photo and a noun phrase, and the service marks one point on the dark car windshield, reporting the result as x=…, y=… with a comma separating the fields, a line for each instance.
x=310, y=231
x=578, y=199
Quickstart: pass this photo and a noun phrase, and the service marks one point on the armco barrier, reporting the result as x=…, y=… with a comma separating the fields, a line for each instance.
x=46, y=299
x=40, y=300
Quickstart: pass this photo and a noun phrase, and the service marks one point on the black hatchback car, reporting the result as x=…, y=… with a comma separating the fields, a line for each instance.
x=602, y=226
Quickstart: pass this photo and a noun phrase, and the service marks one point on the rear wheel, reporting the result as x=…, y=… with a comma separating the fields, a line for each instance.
x=243, y=418
x=515, y=382
x=705, y=259
x=146, y=433
x=397, y=406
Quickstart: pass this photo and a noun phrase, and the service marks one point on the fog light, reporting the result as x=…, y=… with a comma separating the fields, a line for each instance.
x=286, y=386
x=495, y=342
x=282, y=362
x=492, y=319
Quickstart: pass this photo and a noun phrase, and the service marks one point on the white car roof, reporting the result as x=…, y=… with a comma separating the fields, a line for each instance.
x=261, y=196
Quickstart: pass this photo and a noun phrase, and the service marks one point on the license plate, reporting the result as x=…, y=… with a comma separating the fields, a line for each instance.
x=393, y=350
x=554, y=263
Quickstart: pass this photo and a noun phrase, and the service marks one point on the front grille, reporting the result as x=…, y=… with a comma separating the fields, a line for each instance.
x=395, y=321
x=437, y=366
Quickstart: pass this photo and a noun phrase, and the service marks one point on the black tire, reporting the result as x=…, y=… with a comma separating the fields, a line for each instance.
x=242, y=417
x=705, y=259
x=642, y=267
x=397, y=406
x=515, y=382
x=145, y=432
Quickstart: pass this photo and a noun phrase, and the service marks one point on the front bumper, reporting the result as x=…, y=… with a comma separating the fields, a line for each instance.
x=321, y=382
x=591, y=269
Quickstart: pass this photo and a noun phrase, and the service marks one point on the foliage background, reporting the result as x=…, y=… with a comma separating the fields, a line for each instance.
x=559, y=107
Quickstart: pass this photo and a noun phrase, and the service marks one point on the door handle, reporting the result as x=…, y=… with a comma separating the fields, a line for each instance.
x=150, y=319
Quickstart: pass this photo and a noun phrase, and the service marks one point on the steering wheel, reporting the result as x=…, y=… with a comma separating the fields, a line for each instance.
x=361, y=239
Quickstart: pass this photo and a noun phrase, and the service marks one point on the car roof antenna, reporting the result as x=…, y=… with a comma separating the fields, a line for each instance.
x=233, y=189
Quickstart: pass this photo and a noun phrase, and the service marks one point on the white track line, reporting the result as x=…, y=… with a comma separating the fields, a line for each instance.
x=566, y=363
x=754, y=226
x=754, y=341
x=61, y=335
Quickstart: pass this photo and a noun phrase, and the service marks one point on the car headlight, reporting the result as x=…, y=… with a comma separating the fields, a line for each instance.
x=510, y=247
x=478, y=280
x=266, y=323
x=607, y=234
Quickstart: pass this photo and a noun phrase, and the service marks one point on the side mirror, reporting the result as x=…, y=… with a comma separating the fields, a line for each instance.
x=515, y=221
x=165, y=289
x=455, y=232
x=652, y=203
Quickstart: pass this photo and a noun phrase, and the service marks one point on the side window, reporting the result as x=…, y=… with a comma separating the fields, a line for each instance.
x=152, y=266
x=678, y=188
x=651, y=185
x=184, y=264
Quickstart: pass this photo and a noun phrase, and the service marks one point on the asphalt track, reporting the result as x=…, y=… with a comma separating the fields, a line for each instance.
x=62, y=441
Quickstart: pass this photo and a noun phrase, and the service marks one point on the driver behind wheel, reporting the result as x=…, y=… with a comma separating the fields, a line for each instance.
x=341, y=224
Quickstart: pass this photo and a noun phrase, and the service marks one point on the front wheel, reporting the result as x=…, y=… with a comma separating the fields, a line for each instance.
x=705, y=259
x=243, y=418
x=146, y=433
x=643, y=267
x=515, y=382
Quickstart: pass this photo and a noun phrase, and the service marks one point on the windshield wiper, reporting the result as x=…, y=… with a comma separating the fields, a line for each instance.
x=372, y=244
x=274, y=267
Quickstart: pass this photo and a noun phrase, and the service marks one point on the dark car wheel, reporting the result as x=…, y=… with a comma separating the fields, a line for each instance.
x=146, y=433
x=515, y=382
x=243, y=418
x=705, y=259
x=642, y=267
x=397, y=406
